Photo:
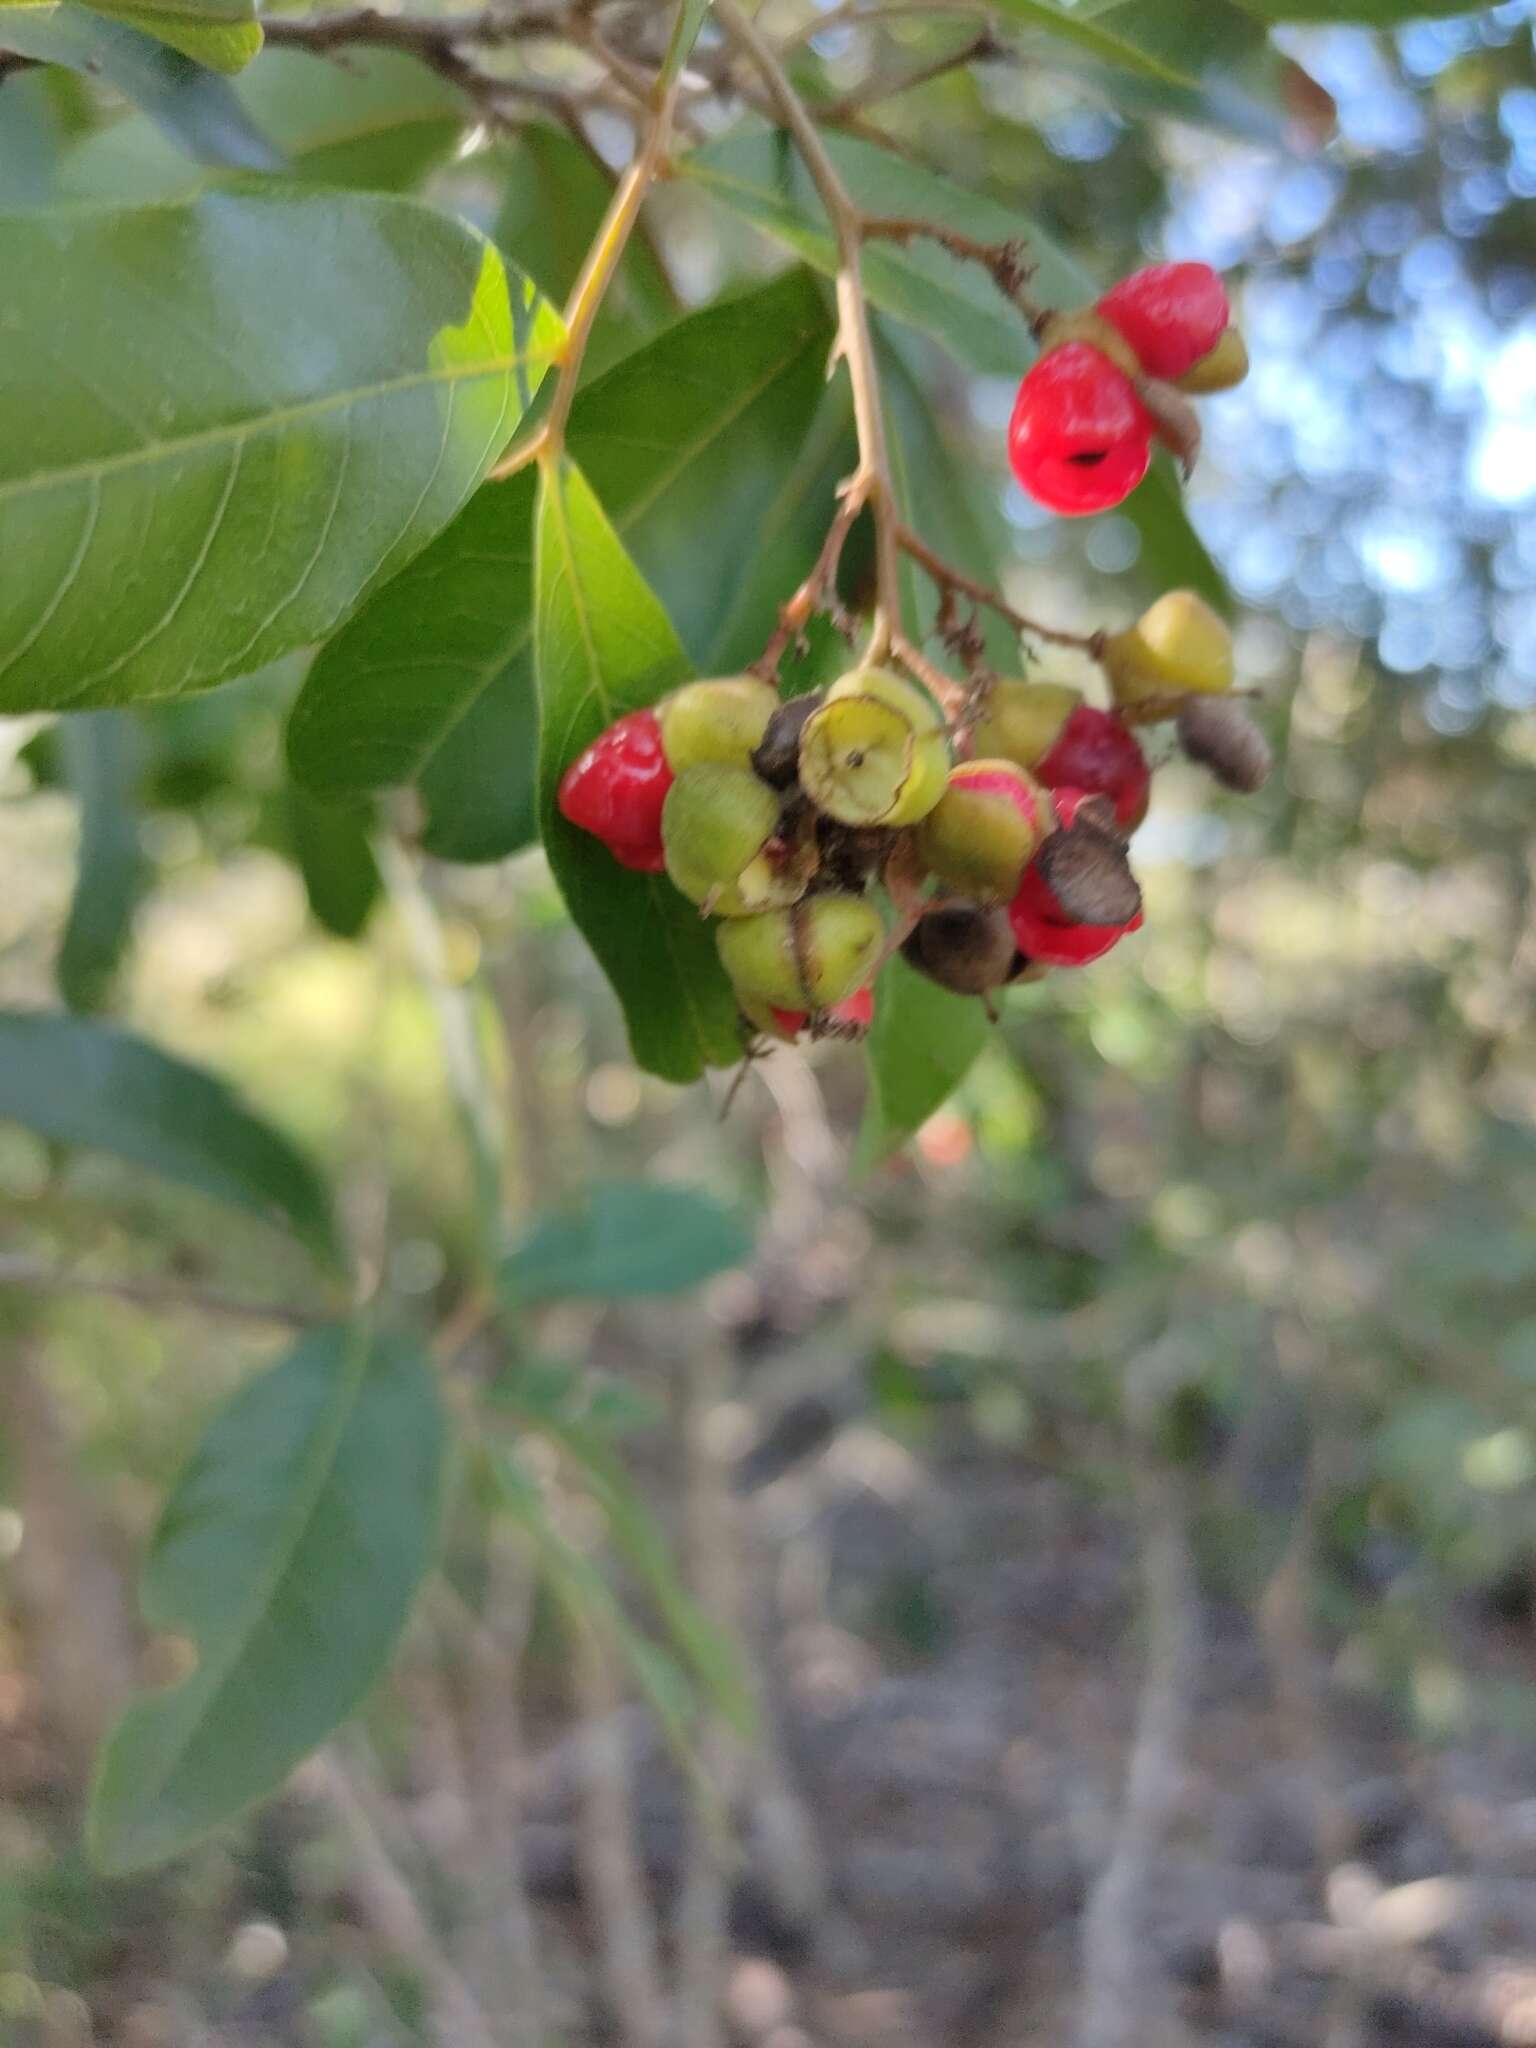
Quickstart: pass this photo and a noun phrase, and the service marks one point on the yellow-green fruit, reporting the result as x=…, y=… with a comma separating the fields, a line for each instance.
x=720, y=720
x=988, y=824
x=876, y=751
x=1178, y=648
x=716, y=826
x=1021, y=721
x=806, y=958
x=1224, y=367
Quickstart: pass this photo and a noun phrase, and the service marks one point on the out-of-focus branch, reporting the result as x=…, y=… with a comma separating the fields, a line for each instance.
x=17, y=1270
x=1115, y=1971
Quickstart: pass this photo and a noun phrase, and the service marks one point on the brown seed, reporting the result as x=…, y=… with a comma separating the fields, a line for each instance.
x=777, y=757
x=1088, y=873
x=966, y=947
x=1220, y=736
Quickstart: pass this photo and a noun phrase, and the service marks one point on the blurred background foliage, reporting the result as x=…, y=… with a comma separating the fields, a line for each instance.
x=1286, y=1140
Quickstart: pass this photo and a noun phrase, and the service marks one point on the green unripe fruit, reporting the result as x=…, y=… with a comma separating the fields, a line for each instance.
x=1224, y=367
x=1021, y=722
x=875, y=753
x=805, y=958
x=721, y=720
x=718, y=831
x=984, y=830
x=1178, y=648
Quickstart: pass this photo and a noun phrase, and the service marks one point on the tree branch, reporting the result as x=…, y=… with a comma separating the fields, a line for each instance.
x=17, y=1270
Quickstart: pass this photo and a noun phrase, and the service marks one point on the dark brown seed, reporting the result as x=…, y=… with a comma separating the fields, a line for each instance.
x=1220, y=736
x=777, y=759
x=1089, y=875
x=966, y=947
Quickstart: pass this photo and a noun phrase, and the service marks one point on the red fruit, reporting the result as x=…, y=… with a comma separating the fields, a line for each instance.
x=851, y=1018
x=1172, y=314
x=1080, y=439
x=616, y=789
x=1048, y=937
x=1097, y=753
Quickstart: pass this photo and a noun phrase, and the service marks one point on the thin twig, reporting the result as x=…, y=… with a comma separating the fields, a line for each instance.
x=17, y=1270
x=871, y=484
x=611, y=1871
x=386, y=1897
x=875, y=91
x=1114, y=1963
x=1005, y=263
x=948, y=578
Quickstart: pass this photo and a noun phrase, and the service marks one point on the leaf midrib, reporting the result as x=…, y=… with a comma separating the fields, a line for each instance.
x=152, y=453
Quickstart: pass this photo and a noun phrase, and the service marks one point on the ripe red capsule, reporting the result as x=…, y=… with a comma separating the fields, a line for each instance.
x=1047, y=936
x=1172, y=314
x=616, y=789
x=1097, y=753
x=1045, y=933
x=1080, y=439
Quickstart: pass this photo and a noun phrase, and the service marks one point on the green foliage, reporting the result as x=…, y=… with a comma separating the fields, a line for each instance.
x=701, y=446
x=628, y=1238
x=332, y=843
x=101, y=758
x=198, y=111
x=923, y=1044
x=288, y=1554
x=604, y=646
x=366, y=396
x=77, y=1082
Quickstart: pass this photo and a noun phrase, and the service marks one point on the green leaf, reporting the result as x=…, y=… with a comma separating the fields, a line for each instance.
x=197, y=111
x=604, y=646
x=711, y=453
x=760, y=176
x=32, y=143
x=224, y=46
x=685, y=33
x=541, y=196
x=332, y=843
x=380, y=123
x=1373, y=13
x=923, y=1043
x=318, y=381
x=639, y=1237
x=289, y=1554
x=100, y=754
x=1114, y=45
x=77, y=1082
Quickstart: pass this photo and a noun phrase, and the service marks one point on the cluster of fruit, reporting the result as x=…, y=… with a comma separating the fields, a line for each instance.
x=778, y=816
x=1112, y=379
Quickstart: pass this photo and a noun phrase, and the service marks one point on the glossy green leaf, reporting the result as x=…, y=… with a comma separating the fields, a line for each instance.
x=196, y=110
x=288, y=1554
x=541, y=197
x=225, y=46
x=32, y=143
x=629, y=1238
x=77, y=1082
x=332, y=843
x=1113, y=45
x=379, y=123
x=760, y=176
x=711, y=454
x=604, y=646
x=923, y=1044
x=101, y=758
x=318, y=382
